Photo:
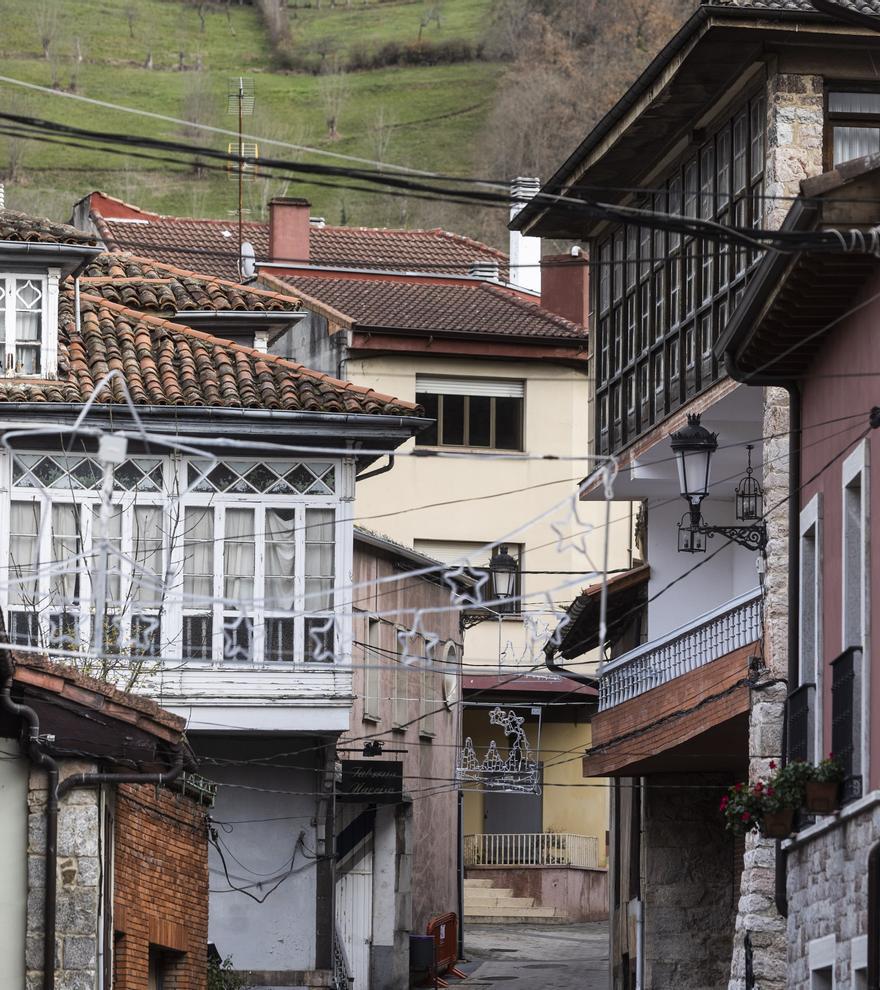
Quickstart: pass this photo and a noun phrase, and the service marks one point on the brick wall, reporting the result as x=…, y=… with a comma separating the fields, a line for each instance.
x=160, y=888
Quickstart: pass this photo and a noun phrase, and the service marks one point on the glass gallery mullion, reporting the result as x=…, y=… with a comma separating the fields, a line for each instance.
x=662, y=299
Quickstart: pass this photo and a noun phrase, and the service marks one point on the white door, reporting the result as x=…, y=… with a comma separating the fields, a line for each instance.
x=354, y=912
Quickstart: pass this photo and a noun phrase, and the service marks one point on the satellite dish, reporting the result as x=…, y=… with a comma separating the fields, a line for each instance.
x=247, y=263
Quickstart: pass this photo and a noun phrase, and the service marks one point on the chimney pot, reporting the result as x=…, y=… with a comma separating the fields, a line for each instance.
x=289, y=230
x=525, y=252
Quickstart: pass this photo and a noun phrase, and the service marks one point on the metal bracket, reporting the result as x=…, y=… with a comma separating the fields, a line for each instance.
x=750, y=537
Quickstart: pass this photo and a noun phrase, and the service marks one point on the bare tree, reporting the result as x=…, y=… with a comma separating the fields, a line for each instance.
x=46, y=20
x=275, y=18
x=380, y=132
x=200, y=105
x=14, y=145
x=78, y=59
x=132, y=12
x=334, y=92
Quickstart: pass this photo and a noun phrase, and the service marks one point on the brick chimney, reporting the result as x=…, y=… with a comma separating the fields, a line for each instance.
x=565, y=284
x=289, y=230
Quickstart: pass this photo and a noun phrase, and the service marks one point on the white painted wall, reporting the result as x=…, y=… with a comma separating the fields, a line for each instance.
x=403, y=503
x=729, y=573
x=13, y=862
x=280, y=933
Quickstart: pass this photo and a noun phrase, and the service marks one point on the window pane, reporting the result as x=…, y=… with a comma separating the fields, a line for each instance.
x=279, y=639
x=28, y=325
x=479, y=421
x=320, y=547
x=147, y=552
x=197, y=635
x=2, y=326
x=319, y=639
x=24, y=524
x=66, y=551
x=430, y=402
x=508, y=423
x=854, y=142
x=280, y=534
x=238, y=556
x=198, y=561
x=854, y=102
x=453, y=420
x=238, y=638
x=146, y=635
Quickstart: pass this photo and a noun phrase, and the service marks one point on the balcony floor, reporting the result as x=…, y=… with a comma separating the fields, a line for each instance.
x=698, y=721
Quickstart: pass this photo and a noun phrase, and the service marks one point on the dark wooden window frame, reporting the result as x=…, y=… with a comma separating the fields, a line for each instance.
x=670, y=301
x=492, y=445
x=854, y=119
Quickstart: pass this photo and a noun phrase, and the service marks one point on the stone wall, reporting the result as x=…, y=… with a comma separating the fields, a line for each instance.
x=690, y=882
x=79, y=877
x=828, y=894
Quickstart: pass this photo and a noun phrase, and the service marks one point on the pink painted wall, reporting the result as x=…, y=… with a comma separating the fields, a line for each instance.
x=844, y=381
x=582, y=894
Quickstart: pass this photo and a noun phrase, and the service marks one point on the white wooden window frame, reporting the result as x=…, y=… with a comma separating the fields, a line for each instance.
x=175, y=479
x=372, y=663
x=811, y=532
x=49, y=281
x=856, y=468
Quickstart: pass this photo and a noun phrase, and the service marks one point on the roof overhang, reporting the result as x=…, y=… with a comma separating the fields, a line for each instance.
x=708, y=62
x=241, y=323
x=70, y=258
x=794, y=300
x=222, y=430
x=578, y=632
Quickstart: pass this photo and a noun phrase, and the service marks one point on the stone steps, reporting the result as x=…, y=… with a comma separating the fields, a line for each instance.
x=486, y=904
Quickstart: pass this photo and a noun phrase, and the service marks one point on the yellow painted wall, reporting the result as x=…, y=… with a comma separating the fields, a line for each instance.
x=556, y=418
x=568, y=805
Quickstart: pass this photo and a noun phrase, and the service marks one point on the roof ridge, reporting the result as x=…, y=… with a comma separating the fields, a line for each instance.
x=200, y=276
x=117, y=199
x=244, y=349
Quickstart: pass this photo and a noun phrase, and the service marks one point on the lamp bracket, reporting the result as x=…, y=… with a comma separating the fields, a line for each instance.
x=750, y=537
x=475, y=617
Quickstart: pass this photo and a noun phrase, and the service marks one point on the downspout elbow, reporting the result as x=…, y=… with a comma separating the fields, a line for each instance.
x=554, y=667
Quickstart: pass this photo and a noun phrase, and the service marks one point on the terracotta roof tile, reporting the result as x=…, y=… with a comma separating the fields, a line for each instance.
x=477, y=308
x=16, y=226
x=210, y=245
x=142, y=283
x=806, y=6
x=169, y=364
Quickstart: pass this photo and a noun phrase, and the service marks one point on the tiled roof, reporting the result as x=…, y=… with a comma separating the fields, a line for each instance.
x=806, y=6
x=16, y=226
x=157, y=288
x=477, y=308
x=211, y=245
x=168, y=364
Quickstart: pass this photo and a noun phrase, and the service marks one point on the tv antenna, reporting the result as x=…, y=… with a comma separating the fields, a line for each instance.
x=240, y=100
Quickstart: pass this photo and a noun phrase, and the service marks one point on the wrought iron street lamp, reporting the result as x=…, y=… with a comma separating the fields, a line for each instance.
x=503, y=570
x=693, y=447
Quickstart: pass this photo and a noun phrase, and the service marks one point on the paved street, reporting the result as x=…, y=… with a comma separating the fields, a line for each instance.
x=537, y=957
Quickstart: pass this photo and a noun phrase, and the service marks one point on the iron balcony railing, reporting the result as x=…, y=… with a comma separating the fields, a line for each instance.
x=846, y=727
x=581, y=852
x=800, y=722
x=729, y=627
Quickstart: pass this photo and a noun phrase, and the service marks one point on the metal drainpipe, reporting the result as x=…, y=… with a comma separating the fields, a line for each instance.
x=551, y=664
x=35, y=751
x=55, y=792
x=794, y=552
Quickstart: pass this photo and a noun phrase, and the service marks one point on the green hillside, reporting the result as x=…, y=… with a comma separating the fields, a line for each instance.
x=175, y=57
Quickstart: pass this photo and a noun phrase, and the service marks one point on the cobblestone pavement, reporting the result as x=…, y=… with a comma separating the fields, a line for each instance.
x=536, y=957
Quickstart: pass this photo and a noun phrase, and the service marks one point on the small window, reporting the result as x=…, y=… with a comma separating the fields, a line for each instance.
x=707, y=182
x=758, y=130
x=722, y=169
x=372, y=664
x=485, y=413
x=429, y=694
x=23, y=319
x=854, y=119
x=402, y=674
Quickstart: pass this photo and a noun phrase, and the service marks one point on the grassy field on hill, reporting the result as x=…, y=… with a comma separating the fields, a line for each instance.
x=166, y=57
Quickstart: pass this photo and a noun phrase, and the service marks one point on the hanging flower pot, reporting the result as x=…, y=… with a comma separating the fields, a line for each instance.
x=778, y=824
x=822, y=792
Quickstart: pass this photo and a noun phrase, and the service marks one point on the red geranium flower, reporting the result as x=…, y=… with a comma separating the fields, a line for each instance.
x=773, y=764
x=738, y=788
x=746, y=816
x=770, y=792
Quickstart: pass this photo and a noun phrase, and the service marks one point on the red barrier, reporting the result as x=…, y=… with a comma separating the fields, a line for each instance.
x=444, y=928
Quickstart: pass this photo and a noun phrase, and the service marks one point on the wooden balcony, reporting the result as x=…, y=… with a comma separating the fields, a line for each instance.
x=681, y=701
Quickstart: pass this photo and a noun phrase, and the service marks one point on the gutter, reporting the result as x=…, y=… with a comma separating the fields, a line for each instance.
x=77, y=255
